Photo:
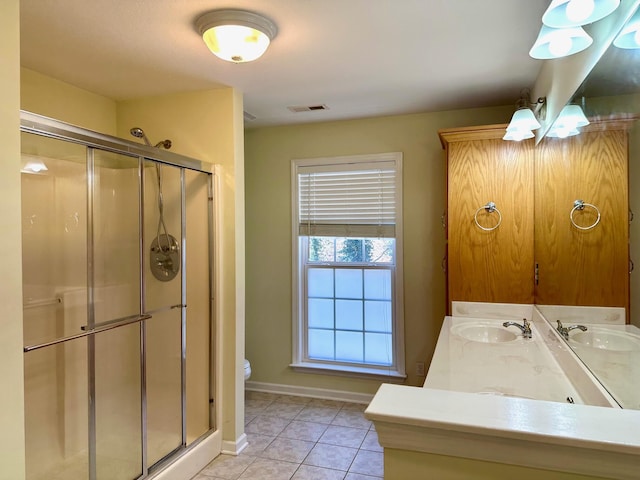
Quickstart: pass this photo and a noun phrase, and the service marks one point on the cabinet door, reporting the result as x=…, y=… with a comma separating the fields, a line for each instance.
x=497, y=265
x=583, y=267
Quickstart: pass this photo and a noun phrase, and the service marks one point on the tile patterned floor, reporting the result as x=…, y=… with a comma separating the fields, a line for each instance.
x=297, y=438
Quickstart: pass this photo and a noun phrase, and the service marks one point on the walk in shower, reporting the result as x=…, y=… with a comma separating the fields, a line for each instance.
x=117, y=286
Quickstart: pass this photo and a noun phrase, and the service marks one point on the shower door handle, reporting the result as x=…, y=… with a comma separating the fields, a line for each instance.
x=120, y=322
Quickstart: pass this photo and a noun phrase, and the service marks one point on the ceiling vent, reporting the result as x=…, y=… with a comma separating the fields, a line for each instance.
x=310, y=108
x=248, y=117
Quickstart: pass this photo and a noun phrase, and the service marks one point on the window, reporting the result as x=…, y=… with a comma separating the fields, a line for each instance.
x=347, y=247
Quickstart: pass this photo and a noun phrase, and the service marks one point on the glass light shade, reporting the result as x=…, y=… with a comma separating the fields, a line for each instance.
x=575, y=13
x=555, y=132
x=572, y=116
x=629, y=37
x=236, y=43
x=236, y=35
x=523, y=119
x=517, y=135
x=559, y=42
x=570, y=119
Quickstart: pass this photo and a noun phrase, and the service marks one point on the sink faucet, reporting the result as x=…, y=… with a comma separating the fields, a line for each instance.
x=564, y=331
x=525, y=327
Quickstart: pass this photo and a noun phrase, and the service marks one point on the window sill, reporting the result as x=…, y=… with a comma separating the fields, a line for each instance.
x=388, y=375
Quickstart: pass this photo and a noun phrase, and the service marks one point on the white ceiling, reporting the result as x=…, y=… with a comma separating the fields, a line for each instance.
x=361, y=58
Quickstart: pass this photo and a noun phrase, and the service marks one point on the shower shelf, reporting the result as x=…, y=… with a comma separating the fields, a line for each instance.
x=42, y=303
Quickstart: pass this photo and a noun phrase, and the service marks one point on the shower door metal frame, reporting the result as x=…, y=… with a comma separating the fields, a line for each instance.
x=55, y=129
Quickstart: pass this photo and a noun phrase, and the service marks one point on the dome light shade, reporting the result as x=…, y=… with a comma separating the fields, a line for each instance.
x=559, y=42
x=236, y=35
x=629, y=37
x=575, y=13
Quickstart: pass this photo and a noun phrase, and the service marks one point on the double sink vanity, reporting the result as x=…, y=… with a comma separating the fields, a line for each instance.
x=497, y=404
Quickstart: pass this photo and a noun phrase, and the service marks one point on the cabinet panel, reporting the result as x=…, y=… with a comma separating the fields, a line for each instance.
x=583, y=267
x=498, y=265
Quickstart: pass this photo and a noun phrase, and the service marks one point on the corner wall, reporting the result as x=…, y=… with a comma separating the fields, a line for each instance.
x=12, y=457
x=56, y=99
x=269, y=152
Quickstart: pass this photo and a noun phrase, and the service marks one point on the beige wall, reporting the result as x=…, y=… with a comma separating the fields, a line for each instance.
x=11, y=368
x=52, y=98
x=269, y=152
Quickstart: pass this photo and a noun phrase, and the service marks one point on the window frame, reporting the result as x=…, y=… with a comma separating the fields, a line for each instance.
x=300, y=360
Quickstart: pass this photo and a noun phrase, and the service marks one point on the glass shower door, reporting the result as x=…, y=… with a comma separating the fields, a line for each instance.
x=117, y=370
x=162, y=259
x=54, y=252
x=115, y=354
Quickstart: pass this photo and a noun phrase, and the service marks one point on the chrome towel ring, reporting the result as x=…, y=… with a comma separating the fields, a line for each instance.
x=490, y=208
x=580, y=205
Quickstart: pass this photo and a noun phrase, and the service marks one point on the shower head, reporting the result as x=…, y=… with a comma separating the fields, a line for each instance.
x=139, y=133
x=166, y=144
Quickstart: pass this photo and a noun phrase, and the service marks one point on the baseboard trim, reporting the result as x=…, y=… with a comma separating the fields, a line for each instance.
x=234, y=448
x=281, y=389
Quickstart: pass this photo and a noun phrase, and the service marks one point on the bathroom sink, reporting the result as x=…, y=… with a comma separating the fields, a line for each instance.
x=606, y=339
x=483, y=332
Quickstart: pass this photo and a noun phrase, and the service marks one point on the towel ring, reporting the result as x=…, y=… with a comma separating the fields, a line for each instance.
x=579, y=205
x=490, y=208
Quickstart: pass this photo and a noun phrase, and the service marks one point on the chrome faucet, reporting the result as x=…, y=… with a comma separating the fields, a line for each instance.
x=525, y=327
x=564, y=331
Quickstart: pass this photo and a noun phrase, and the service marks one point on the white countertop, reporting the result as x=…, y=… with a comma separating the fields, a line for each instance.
x=523, y=368
x=540, y=434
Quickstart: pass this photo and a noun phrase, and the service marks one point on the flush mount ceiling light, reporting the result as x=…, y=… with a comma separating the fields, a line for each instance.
x=574, y=13
x=32, y=164
x=524, y=119
x=236, y=35
x=570, y=119
x=559, y=42
x=629, y=37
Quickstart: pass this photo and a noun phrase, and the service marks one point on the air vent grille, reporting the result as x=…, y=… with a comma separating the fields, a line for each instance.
x=308, y=108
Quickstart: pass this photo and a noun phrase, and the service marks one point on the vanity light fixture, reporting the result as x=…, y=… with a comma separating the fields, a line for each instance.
x=236, y=35
x=571, y=118
x=629, y=37
x=575, y=13
x=524, y=120
x=559, y=42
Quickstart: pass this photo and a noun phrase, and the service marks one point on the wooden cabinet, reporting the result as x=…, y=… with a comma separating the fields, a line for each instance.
x=534, y=189
x=575, y=266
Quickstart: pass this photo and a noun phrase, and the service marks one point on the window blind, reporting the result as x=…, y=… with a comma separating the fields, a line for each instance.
x=348, y=200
